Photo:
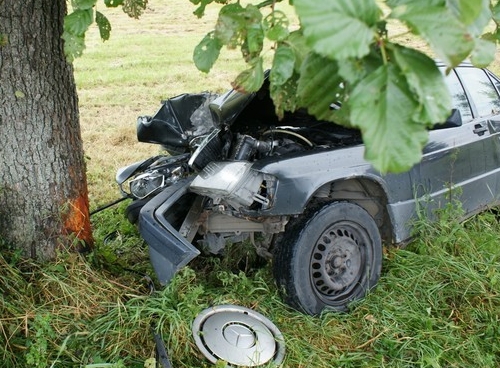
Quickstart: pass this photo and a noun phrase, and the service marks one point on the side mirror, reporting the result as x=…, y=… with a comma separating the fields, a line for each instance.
x=453, y=121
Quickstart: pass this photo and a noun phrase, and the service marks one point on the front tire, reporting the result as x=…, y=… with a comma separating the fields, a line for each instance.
x=328, y=258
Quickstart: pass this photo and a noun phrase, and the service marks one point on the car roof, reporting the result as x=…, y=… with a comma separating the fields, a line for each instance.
x=465, y=63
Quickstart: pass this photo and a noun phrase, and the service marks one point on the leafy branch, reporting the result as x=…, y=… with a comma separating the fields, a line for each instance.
x=84, y=15
x=341, y=55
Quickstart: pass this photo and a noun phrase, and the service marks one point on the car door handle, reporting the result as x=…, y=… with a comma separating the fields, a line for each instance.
x=480, y=129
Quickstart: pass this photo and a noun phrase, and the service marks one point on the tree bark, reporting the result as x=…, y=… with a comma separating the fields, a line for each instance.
x=43, y=186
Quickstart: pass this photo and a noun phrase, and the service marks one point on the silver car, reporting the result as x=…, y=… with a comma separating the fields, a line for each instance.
x=300, y=190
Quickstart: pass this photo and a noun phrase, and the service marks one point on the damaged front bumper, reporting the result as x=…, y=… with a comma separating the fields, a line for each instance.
x=169, y=251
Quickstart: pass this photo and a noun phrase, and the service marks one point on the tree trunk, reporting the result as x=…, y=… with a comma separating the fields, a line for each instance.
x=43, y=187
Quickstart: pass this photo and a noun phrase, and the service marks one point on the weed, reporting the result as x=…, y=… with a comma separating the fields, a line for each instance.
x=38, y=345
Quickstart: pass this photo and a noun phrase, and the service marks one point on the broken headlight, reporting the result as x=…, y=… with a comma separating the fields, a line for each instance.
x=235, y=182
x=146, y=184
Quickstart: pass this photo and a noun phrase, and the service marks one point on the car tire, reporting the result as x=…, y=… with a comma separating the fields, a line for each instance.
x=328, y=258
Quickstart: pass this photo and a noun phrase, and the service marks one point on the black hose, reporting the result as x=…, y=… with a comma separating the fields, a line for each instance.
x=99, y=209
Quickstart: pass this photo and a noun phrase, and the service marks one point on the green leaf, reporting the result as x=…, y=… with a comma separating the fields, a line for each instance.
x=134, y=8
x=395, y=3
x=79, y=21
x=276, y=25
x=339, y=29
x=285, y=95
x=382, y=106
x=496, y=12
x=200, y=11
x=229, y=25
x=255, y=38
x=238, y=26
x=113, y=3
x=104, y=25
x=250, y=80
x=484, y=53
x=207, y=52
x=489, y=37
x=426, y=83
x=283, y=65
x=298, y=43
x=353, y=70
x=449, y=38
x=319, y=86
x=83, y=4
x=277, y=33
x=482, y=20
x=73, y=45
x=252, y=30
x=466, y=10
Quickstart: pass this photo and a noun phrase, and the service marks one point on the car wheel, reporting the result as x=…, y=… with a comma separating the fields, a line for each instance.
x=328, y=258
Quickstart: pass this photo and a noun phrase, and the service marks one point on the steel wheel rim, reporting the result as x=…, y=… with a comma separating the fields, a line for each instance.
x=338, y=259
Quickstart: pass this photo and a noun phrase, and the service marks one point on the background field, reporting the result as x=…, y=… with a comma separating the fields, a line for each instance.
x=145, y=61
x=437, y=303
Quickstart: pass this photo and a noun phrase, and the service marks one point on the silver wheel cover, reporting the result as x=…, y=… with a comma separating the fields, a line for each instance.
x=238, y=335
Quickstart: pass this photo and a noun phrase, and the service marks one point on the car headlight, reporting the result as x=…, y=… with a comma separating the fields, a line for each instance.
x=236, y=182
x=146, y=184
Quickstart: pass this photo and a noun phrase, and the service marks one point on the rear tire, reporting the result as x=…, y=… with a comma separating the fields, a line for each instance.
x=328, y=258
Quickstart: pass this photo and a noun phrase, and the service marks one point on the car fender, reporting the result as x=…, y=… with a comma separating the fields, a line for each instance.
x=301, y=178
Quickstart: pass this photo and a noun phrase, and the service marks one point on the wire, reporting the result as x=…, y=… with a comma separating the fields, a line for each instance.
x=307, y=141
x=99, y=209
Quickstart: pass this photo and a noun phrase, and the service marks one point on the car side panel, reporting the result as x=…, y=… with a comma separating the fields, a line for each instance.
x=300, y=177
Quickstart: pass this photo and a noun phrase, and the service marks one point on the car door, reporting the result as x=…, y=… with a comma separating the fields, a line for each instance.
x=483, y=88
x=461, y=163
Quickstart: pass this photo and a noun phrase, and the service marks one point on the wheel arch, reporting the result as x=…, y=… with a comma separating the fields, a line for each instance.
x=367, y=193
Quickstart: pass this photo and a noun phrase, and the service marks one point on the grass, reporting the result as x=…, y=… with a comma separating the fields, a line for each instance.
x=437, y=303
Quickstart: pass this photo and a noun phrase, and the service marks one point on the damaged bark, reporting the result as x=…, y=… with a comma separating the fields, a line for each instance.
x=43, y=188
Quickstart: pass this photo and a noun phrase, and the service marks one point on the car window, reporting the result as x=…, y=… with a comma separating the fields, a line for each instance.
x=458, y=96
x=483, y=93
x=494, y=79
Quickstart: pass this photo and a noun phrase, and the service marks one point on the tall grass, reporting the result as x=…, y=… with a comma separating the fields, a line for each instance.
x=437, y=303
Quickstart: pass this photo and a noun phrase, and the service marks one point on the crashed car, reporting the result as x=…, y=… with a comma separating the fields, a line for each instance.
x=299, y=189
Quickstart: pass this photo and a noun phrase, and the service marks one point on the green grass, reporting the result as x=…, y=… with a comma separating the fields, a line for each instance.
x=437, y=303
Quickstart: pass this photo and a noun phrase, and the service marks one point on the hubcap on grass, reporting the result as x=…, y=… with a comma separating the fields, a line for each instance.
x=238, y=335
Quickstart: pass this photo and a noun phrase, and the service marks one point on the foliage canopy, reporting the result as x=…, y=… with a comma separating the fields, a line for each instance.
x=341, y=55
